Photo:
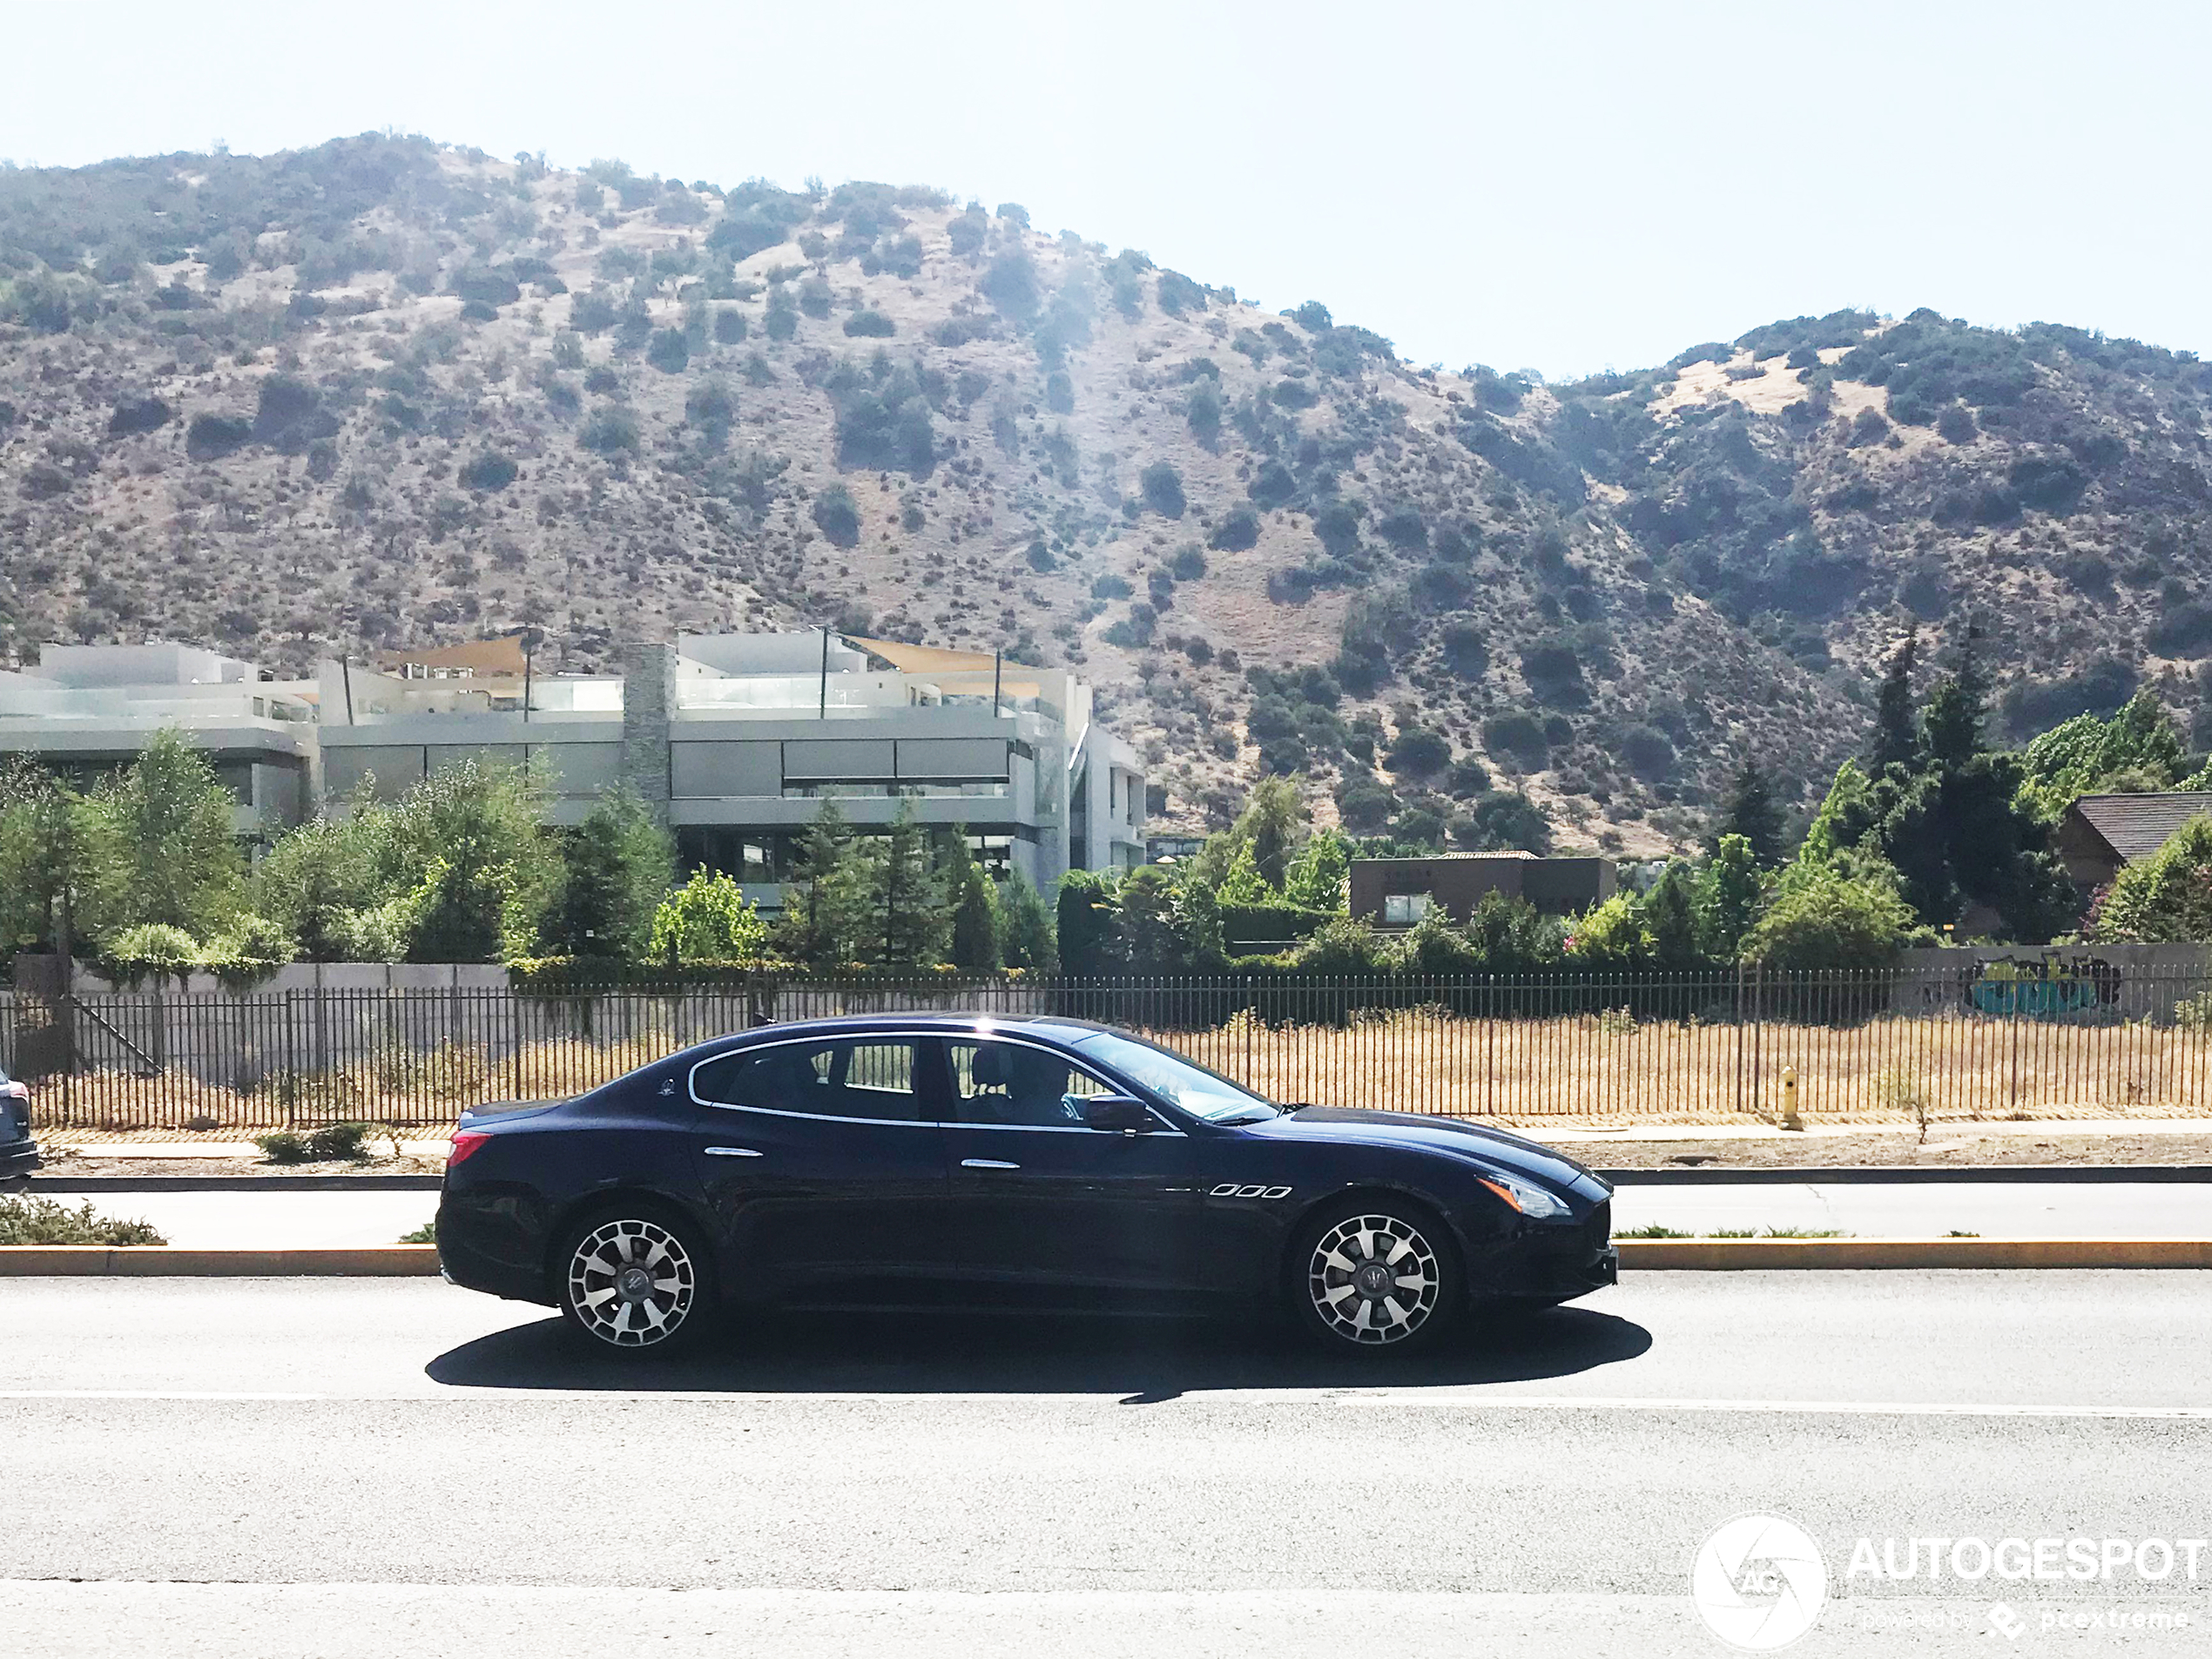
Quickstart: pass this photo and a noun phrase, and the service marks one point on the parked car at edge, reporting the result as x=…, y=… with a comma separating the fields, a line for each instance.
x=18, y=1152
x=1024, y=1164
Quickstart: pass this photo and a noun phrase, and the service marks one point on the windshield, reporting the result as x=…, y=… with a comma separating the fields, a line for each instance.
x=1202, y=1093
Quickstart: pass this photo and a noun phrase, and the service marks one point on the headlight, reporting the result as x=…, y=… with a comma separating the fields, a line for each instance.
x=1531, y=1200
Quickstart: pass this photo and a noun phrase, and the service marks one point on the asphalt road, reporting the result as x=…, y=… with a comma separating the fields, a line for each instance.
x=241, y=1468
x=1995, y=1209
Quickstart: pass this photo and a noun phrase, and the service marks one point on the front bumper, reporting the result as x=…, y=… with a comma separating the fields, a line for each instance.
x=1554, y=1262
x=18, y=1160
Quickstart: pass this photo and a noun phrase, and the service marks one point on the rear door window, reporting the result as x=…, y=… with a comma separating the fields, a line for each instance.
x=870, y=1078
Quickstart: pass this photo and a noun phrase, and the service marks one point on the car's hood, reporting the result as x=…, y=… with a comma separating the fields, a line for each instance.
x=1453, y=1137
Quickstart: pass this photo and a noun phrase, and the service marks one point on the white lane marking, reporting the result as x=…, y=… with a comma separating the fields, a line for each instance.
x=1395, y=1398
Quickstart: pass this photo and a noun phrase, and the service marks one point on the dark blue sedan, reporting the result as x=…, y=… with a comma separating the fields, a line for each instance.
x=1026, y=1164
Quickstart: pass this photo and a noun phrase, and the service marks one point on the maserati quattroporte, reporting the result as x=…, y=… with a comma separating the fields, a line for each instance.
x=961, y=1161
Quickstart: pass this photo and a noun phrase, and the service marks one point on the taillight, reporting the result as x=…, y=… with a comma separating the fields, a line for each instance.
x=465, y=1144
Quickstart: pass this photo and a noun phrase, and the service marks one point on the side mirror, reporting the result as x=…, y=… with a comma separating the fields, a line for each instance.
x=1115, y=1112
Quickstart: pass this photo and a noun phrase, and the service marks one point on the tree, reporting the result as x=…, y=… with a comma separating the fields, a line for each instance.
x=1952, y=821
x=1897, y=739
x=1827, y=916
x=706, y=920
x=1269, y=825
x=320, y=879
x=2165, y=898
x=975, y=912
x=1089, y=930
x=1316, y=876
x=1027, y=926
x=171, y=822
x=1750, y=814
x=916, y=924
x=1731, y=892
x=827, y=905
x=1151, y=937
x=615, y=871
x=2139, y=750
x=1243, y=884
x=472, y=864
x=52, y=844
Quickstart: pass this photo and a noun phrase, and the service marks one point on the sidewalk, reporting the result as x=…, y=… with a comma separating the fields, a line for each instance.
x=261, y=1218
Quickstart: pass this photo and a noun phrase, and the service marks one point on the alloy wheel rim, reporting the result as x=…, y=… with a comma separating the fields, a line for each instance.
x=1373, y=1279
x=631, y=1284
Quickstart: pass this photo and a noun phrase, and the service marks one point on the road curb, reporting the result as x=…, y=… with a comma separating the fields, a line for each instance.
x=1908, y=1175
x=171, y=1261
x=1709, y=1255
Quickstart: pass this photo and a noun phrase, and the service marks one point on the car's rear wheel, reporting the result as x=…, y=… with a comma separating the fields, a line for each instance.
x=1375, y=1276
x=634, y=1280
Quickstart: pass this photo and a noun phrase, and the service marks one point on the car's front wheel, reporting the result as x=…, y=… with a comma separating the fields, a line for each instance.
x=635, y=1280
x=1376, y=1275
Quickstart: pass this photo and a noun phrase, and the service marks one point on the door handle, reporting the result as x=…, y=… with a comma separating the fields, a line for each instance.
x=987, y=1163
x=731, y=1152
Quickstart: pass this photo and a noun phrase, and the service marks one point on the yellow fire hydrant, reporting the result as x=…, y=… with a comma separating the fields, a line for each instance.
x=1789, y=1118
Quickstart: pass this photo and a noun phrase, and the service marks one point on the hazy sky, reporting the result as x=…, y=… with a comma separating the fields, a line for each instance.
x=1558, y=184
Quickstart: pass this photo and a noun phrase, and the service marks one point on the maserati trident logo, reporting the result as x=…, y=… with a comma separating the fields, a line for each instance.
x=1758, y=1582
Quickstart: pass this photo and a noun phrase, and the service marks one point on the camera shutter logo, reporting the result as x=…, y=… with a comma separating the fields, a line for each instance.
x=1759, y=1582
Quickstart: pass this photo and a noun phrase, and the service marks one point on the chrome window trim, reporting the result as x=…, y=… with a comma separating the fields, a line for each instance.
x=691, y=1084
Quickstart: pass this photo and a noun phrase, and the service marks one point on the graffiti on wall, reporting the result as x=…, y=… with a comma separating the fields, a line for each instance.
x=2053, y=986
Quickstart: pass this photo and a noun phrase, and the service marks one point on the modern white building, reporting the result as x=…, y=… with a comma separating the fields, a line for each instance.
x=736, y=739
x=86, y=710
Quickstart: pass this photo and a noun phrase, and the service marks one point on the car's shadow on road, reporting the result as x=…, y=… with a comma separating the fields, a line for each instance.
x=1140, y=1361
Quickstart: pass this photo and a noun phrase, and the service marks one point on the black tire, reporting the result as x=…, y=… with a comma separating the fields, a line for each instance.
x=634, y=1279
x=1353, y=1298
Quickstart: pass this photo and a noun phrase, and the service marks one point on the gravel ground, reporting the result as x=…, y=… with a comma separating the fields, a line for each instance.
x=1952, y=1146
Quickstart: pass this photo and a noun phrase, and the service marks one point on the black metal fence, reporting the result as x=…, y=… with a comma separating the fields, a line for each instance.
x=1954, y=1044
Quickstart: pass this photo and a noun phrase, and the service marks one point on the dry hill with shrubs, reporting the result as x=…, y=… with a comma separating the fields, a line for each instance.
x=385, y=392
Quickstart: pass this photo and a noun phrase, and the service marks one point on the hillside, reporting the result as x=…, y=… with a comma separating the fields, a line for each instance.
x=384, y=392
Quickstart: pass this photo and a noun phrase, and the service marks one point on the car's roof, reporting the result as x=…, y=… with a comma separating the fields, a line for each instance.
x=1040, y=1023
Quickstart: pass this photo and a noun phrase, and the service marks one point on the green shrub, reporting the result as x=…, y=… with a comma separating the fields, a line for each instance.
x=1060, y=392
x=669, y=351
x=1110, y=586
x=1177, y=294
x=871, y=325
x=729, y=326
x=836, y=516
x=336, y=1141
x=28, y=1220
x=489, y=471
x=1419, y=752
x=1162, y=487
x=283, y=1146
x=814, y=297
x=153, y=950
x=1238, y=529
x=1202, y=409
x=782, y=319
x=426, y=1234
x=609, y=430
x=1189, y=563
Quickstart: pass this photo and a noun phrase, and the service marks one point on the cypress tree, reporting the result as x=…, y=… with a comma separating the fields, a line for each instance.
x=1751, y=812
x=1897, y=737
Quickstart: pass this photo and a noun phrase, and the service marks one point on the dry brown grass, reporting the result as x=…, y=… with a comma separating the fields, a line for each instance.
x=1601, y=1067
